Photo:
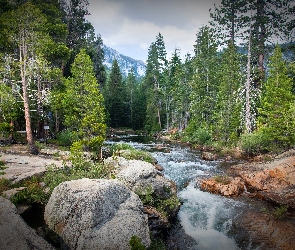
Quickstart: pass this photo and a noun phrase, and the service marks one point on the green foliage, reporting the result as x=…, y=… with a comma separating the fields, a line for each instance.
x=227, y=113
x=255, y=143
x=157, y=244
x=164, y=205
x=197, y=135
x=5, y=184
x=33, y=193
x=276, y=118
x=135, y=243
x=223, y=179
x=203, y=96
x=130, y=153
x=82, y=103
x=5, y=129
x=115, y=98
x=82, y=167
x=67, y=137
x=2, y=167
x=116, y=147
x=280, y=211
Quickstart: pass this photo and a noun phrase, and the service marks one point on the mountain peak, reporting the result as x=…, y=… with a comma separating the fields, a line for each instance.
x=125, y=63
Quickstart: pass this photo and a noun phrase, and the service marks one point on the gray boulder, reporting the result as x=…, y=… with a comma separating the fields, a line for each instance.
x=15, y=233
x=96, y=214
x=135, y=171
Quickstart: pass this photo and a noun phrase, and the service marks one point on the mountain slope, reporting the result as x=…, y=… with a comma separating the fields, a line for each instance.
x=125, y=63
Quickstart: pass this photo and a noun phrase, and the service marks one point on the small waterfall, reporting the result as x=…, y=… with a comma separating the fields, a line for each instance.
x=206, y=217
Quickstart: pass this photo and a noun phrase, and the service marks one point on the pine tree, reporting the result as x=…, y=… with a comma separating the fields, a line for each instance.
x=115, y=96
x=155, y=83
x=204, y=86
x=83, y=103
x=228, y=109
x=229, y=19
x=276, y=118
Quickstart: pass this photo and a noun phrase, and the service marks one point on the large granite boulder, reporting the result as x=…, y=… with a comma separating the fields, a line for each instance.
x=139, y=176
x=15, y=233
x=158, y=194
x=96, y=214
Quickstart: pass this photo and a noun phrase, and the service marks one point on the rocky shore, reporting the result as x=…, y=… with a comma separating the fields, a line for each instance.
x=270, y=182
x=136, y=200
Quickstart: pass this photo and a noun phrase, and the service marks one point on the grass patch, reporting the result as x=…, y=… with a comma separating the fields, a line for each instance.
x=130, y=153
x=2, y=167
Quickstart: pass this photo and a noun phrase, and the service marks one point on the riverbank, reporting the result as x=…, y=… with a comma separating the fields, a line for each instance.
x=271, y=186
x=159, y=203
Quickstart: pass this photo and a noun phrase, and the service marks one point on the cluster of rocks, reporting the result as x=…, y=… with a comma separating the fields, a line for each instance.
x=273, y=181
x=233, y=186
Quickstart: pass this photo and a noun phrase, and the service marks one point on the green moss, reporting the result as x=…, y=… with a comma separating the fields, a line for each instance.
x=223, y=179
x=135, y=243
x=164, y=206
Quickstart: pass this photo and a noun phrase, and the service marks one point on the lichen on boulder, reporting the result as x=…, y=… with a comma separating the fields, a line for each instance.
x=96, y=214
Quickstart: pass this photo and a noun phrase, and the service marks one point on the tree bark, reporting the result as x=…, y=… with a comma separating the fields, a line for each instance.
x=31, y=144
x=247, y=89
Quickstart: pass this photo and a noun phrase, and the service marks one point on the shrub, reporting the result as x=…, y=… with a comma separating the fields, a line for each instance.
x=130, y=153
x=197, y=135
x=67, y=137
x=5, y=129
x=33, y=193
x=223, y=179
x=255, y=143
x=135, y=243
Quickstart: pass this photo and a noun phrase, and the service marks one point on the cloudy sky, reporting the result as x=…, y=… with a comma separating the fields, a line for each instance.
x=130, y=26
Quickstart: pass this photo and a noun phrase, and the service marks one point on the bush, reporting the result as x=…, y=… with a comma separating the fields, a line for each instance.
x=135, y=243
x=67, y=137
x=33, y=193
x=255, y=143
x=5, y=129
x=198, y=136
x=4, y=185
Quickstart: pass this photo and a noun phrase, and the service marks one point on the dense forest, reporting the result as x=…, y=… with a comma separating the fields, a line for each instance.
x=237, y=89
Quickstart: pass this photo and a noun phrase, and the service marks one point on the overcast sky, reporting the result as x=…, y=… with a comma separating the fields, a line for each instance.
x=130, y=26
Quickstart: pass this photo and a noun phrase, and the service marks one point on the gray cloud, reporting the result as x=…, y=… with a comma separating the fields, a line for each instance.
x=130, y=26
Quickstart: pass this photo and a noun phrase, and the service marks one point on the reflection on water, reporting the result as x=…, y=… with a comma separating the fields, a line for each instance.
x=206, y=217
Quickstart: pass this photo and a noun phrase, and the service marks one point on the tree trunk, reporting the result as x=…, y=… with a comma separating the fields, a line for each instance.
x=31, y=144
x=247, y=89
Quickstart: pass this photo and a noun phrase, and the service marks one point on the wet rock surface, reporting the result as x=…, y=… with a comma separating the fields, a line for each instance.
x=229, y=187
x=265, y=231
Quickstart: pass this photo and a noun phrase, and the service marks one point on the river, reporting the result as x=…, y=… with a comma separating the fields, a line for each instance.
x=205, y=217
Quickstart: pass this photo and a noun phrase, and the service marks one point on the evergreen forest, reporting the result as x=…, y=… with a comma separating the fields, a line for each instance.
x=236, y=90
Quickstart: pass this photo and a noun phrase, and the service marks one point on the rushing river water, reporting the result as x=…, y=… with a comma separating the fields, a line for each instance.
x=205, y=217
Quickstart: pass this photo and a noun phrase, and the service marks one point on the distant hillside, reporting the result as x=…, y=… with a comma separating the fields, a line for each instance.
x=125, y=62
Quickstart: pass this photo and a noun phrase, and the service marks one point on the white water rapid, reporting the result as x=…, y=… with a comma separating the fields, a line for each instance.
x=206, y=217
